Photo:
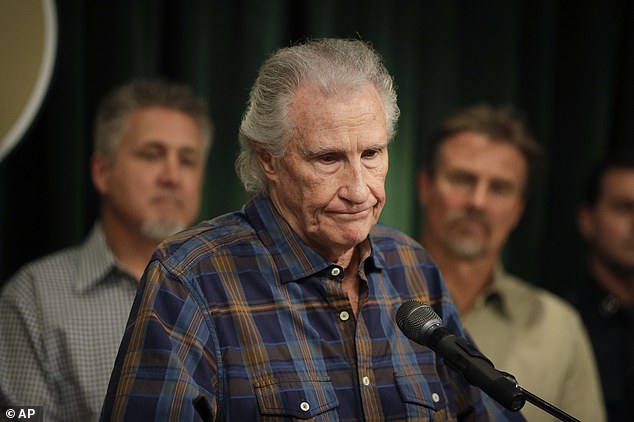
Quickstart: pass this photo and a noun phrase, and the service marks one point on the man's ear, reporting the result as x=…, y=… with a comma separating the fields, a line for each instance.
x=99, y=171
x=584, y=221
x=267, y=163
x=519, y=211
x=423, y=182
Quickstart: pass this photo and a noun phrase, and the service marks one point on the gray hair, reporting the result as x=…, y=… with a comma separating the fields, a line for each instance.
x=114, y=110
x=331, y=65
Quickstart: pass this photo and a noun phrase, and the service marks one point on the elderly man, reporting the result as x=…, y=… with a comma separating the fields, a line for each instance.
x=473, y=192
x=62, y=317
x=286, y=309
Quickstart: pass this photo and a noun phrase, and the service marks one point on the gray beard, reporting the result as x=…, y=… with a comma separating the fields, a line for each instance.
x=464, y=249
x=160, y=230
x=463, y=246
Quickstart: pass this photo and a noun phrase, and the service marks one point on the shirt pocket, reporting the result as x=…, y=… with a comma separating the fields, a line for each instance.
x=295, y=397
x=423, y=396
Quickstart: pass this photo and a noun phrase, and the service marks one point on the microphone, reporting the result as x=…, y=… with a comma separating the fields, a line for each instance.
x=418, y=321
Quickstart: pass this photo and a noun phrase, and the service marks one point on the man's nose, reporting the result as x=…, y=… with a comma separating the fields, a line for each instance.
x=354, y=187
x=478, y=197
x=171, y=171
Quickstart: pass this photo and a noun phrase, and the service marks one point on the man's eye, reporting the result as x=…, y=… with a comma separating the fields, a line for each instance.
x=188, y=161
x=149, y=154
x=503, y=189
x=328, y=159
x=623, y=207
x=371, y=153
x=460, y=179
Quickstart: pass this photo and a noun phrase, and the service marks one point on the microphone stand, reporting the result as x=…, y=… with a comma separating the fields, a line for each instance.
x=420, y=323
x=542, y=404
x=547, y=407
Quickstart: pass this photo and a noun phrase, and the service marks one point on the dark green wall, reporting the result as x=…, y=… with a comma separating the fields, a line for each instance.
x=568, y=65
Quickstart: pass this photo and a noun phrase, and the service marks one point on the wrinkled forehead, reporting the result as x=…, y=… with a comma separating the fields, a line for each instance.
x=322, y=116
x=478, y=150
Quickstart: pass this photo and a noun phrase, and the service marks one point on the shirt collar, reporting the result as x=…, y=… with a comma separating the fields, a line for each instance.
x=294, y=259
x=95, y=262
x=498, y=294
x=605, y=304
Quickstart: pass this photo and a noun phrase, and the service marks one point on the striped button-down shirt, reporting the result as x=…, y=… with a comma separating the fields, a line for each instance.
x=238, y=319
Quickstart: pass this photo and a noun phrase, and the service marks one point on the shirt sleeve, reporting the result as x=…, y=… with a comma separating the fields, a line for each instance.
x=164, y=370
x=26, y=376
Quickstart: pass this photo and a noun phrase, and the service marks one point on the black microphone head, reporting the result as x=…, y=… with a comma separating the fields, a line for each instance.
x=415, y=318
x=418, y=321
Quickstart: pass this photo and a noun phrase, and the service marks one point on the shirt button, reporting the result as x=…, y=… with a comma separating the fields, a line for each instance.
x=335, y=271
x=366, y=381
x=344, y=315
x=304, y=406
x=435, y=397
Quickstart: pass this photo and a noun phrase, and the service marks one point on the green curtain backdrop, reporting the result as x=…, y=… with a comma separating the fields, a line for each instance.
x=569, y=65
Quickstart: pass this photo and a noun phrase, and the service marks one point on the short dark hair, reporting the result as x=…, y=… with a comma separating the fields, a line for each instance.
x=501, y=124
x=622, y=159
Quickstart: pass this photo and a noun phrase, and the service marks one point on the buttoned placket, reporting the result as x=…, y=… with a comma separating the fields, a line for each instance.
x=363, y=342
x=363, y=346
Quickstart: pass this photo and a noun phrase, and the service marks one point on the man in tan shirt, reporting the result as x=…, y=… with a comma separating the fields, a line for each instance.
x=474, y=193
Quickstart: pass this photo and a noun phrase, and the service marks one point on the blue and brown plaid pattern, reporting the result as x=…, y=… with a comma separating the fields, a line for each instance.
x=237, y=319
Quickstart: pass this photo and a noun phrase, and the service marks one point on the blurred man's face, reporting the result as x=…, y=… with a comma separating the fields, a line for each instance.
x=609, y=226
x=154, y=184
x=475, y=197
x=329, y=185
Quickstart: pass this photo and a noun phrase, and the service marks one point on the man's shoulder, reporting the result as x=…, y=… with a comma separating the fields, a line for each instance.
x=210, y=237
x=60, y=262
x=401, y=247
x=386, y=235
x=54, y=268
x=542, y=302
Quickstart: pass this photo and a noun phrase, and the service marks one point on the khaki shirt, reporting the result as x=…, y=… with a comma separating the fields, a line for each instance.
x=540, y=339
